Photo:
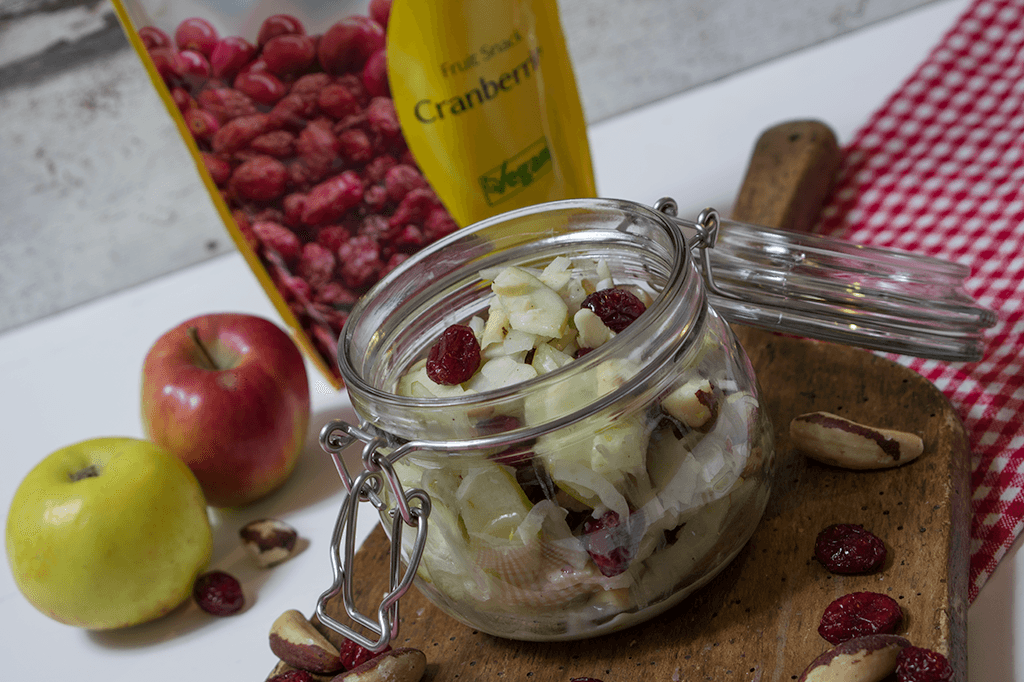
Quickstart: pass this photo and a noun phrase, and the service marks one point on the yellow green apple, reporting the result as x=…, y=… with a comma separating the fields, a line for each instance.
x=107, y=533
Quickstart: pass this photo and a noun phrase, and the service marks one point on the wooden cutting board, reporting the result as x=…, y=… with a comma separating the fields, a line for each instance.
x=757, y=620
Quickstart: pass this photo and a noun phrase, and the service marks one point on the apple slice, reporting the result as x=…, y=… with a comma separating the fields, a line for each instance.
x=532, y=306
x=491, y=501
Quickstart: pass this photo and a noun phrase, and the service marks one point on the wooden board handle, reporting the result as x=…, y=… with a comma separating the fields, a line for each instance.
x=791, y=172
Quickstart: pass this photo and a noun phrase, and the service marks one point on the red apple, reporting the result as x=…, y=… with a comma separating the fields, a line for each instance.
x=228, y=394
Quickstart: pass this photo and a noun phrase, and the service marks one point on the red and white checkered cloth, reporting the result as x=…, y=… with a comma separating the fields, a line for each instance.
x=939, y=170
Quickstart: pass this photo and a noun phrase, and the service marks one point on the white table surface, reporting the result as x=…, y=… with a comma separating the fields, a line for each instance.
x=76, y=375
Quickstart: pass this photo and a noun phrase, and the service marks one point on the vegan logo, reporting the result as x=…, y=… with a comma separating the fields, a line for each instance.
x=516, y=173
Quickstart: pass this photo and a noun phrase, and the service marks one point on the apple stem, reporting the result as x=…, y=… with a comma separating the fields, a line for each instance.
x=193, y=334
x=88, y=472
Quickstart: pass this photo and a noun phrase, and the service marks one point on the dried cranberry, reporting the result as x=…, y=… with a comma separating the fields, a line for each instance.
x=244, y=226
x=438, y=223
x=317, y=147
x=333, y=236
x=230, y=55
x=374, y=226
x=914, y=664
x=375, y=197
x=168, y=64
x=860, y=613
x=332, y=199
x=239, y=132
x=617, y=308
x=218, y=593
x=408, y=238
x=394, y=261
x=294, y=288
x=194, y=64
x=262, y=178
x=293, y=110
x=311, y=84
x=354, y=146
x=201, y=123
x=383, y=119
x=359, y=262
x=196, y=34
x=218, y=168
x=353, y=654
x=402, y=179
x=454, y=357
x=316, y=264
x=226, y=103
x=279, y=25
x=152, y=37
x=347, y=44
x=375, y=75
x=278, y=143
x=608, y=543
x=414, y=208
x=278, y=238
x=377, y=169
x=289, y=54
x=380, y=11
x=183, y=100
x=337, y=101
x=334, y=294
x=264, y=88
x=849, y=548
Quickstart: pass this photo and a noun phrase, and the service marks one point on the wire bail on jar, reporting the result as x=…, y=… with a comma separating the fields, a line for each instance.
x=704, y=240
x=377, y=472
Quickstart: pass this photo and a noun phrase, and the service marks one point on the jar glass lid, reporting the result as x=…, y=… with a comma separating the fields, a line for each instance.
x=832, y=290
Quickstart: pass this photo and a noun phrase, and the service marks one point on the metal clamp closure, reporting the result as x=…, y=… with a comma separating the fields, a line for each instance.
x=378, y=471
x=704, y=240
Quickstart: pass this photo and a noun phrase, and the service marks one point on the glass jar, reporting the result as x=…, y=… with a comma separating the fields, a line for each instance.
x=579, y=502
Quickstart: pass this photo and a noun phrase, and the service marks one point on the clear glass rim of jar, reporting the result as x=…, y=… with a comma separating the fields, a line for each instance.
x=679, y=307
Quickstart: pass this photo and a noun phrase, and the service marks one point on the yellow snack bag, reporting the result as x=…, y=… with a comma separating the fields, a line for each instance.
x=488, y=103
x=289, y=113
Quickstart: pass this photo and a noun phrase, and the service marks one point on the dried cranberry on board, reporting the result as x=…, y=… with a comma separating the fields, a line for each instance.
x=859, y=613
x=616, y=307
x=849, y=548
x=454, y=357
x=915, y=664
x=353, y=654
x=218, y=593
